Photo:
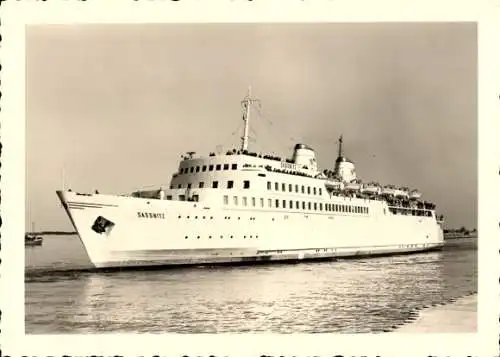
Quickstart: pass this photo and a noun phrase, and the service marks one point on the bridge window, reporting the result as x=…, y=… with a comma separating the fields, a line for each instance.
x=262, y=202
x=284, y=203
x=289, y=187
x=169, y=197
x=211, y=168
x=244, y=201
x=268, y=185
x=297, y=204
x=302, y=188
x=315, y=206
x=191, y=169
x=235, y=200
x=217, y=167
x=291, y=204
x=276, y=186
x=321, y=207
x=204, y=168
x=197, y=169
x=234, y=166
x=230, y=184
x=246, y=184
x=277, y=203
x=182, y=197
x=308, y=190
x=320, y=191
x=226, y=199
x=297, y=188
x=309, y=205
x=201, y=184
x=253, y=201
x=314, y=190
x=189, y=185
x=215, y=184
x=283, y=187
x=179, y=186
x=269, y=202
x=226, y=166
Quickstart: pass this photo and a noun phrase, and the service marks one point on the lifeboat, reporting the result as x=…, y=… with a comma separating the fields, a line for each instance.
x=371, y=189
x=389, y=190
x=335, y=185
x=415, y=195
x=353, y=186
x=401, y=192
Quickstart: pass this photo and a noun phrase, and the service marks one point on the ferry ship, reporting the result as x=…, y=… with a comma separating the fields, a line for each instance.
x=244, y=207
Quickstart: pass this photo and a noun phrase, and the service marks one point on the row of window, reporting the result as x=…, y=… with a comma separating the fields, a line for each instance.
x=277, y=203
x=230, y=237
x=215, y=184
x=216, y=167
x=303, y=189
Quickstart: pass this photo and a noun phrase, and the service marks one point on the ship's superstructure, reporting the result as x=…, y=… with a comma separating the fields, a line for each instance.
x=242, y=206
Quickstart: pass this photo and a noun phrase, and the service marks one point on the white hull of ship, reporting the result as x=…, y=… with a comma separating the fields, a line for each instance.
x=217, y=235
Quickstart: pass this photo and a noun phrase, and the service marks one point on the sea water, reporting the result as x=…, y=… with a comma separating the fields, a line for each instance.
x=345, y=296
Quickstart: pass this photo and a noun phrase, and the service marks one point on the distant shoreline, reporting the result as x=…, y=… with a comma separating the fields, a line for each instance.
x=52, y=233
x=458, y=236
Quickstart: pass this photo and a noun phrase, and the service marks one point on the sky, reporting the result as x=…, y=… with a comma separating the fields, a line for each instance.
x=113, y=107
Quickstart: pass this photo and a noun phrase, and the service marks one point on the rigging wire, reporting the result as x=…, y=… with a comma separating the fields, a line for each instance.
x=287, y=144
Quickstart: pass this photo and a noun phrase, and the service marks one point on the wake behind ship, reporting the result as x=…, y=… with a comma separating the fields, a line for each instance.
x=242, y=206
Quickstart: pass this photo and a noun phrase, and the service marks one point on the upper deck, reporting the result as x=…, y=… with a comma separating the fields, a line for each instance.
x=282, y=183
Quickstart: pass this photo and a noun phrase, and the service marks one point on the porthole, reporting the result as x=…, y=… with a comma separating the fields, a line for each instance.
x=209, y=237
x=231, y=237
x=198, y=237
x=203, y=217
x=187, y=217
x=195, y=217
x=179, y=217
x=221, y=237
x=244, y=237
x=186, y=237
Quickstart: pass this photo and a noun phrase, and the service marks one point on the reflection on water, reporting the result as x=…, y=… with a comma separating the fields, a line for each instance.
x=363, y=295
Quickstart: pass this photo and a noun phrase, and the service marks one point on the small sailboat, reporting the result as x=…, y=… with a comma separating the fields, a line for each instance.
x=31, y=238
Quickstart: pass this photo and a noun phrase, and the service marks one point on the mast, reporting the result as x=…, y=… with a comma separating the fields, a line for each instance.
x=246, y=102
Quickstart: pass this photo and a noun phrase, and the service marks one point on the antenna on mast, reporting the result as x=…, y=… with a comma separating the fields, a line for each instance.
x=340, y=146
x=245, y=103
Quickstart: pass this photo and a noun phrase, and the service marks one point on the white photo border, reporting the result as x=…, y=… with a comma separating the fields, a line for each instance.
x=16, y=15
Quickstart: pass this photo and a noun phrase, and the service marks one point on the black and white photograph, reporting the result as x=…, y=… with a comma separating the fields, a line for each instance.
x=245, y=178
